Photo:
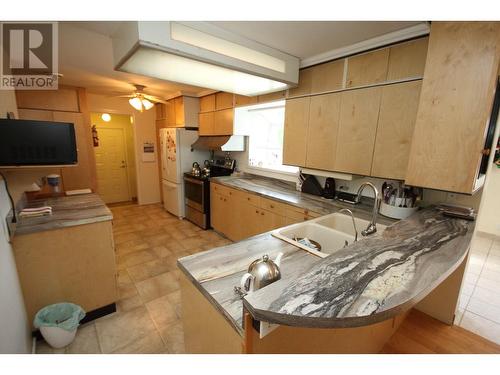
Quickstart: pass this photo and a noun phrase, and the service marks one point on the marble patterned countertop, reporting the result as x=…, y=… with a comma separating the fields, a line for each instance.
x=67, y=211
x=369, y=281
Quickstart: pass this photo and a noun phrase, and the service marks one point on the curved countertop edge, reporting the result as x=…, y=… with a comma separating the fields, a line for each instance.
x=304, y=301
x=347, y=322
x=211, y=299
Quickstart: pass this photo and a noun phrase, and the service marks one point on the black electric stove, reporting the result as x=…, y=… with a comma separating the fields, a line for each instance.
x=197, y=191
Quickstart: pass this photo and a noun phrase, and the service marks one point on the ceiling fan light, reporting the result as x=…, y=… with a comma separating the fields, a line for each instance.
x=147, y=104
x=136, y=103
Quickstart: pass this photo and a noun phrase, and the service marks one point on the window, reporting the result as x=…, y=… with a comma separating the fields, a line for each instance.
x=264, y=125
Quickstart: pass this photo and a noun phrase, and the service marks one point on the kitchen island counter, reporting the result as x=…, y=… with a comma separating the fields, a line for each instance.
x=367, y=282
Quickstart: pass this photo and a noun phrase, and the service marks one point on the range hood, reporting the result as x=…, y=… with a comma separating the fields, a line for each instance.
x=204, y=55
x=220, y=143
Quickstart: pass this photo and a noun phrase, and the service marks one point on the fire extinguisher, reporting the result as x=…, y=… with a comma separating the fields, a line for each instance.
x=95, y=136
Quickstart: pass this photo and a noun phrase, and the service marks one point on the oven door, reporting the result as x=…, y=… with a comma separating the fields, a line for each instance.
x=194, y=193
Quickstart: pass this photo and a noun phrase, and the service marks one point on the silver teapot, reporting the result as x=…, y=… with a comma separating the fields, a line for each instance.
x=261, y=272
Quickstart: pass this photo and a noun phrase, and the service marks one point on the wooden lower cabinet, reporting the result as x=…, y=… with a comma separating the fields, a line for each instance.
x=207, y=332
x=239, y=215
x=74, y=264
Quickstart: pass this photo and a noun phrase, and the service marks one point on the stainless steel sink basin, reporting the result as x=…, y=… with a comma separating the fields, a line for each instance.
x=331, y=232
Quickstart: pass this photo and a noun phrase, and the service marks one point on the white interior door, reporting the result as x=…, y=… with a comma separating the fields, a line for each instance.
x=111, y=165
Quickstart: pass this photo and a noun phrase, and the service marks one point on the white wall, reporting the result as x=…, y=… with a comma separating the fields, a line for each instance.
x=148, y=183
x=489, y=213
x=14, y=328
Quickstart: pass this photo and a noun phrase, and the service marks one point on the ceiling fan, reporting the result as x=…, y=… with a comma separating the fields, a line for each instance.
x=140, y=100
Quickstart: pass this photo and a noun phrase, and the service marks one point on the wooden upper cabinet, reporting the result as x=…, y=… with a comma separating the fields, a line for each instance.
x=207, y=103
x=224, y=100
x=241, y=100
x=357, y=128
x=328, y=76
x=170, y=107
x=322, y=134
x=271, y=97
x=295, y=131
x=407, y=60
x=179, y=111
x=224, y=122
x=455, y=104
x=161, y=111
x=206, y=123
x=305, y=83
x=398, y=112
x=78, y=176
x=64, y=99
x=367, y=68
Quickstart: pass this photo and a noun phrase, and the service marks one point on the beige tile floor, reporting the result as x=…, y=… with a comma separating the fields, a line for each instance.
x=479, y=304
x=148, y=243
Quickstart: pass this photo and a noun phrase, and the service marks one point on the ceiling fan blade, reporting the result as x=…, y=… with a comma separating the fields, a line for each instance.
x=153, y=98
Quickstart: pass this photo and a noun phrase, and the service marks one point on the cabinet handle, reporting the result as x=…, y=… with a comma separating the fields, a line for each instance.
x=271, y=206
x=256, y=211
x=262, y=213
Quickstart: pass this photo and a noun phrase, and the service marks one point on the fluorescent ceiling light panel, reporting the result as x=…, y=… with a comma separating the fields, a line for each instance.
x=197, y=38
x=201, y=54
x=159, y=64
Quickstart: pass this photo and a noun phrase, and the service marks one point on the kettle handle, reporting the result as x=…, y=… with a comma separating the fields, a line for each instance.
x=244, y=281
x=277, y=261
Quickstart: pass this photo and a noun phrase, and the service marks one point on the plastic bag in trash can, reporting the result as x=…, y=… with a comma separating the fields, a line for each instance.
x=63, y=315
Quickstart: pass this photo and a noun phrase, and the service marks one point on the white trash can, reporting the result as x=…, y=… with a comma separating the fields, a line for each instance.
x=58, y=323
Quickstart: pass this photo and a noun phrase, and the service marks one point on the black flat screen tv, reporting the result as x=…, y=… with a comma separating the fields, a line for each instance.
x=36, y=143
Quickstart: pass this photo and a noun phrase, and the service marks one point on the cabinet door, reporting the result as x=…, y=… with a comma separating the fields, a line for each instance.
x=223, y=100
x=270, y=220
x=327, y=77
x=357, y=128
x=224, y=122
x=305, y=83
x=398, y=112
x=455, y=104
x=207, y=123
x=271, y=97
x=368, y=68
x=170, y=105
x=322, y=134
x=179, y=111
x=407, y=60
x=295, y=131
x=216, y=211
x=207, y=103
x=241, y=100
x=78, y=176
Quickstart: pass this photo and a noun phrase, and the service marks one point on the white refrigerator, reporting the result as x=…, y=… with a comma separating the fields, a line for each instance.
x=177, y=158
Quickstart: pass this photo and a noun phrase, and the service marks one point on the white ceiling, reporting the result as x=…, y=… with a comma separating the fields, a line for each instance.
x=86, y=59
x=305, y=39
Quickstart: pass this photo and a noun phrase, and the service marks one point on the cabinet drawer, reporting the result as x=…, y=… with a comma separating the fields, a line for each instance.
x=222, y=190
x=273, y=206
x=296, y=213
x=252, y=199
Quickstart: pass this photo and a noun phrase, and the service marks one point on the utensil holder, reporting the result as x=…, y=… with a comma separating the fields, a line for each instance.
x=396, y=212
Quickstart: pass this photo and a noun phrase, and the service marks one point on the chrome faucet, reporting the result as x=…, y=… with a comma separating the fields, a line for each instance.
x=353, y=222
x=372, y=227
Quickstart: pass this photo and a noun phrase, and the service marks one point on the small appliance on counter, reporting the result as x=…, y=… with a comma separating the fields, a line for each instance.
x=329, y=189
x=346, y=197
x=310, y=185
x=197, y=189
